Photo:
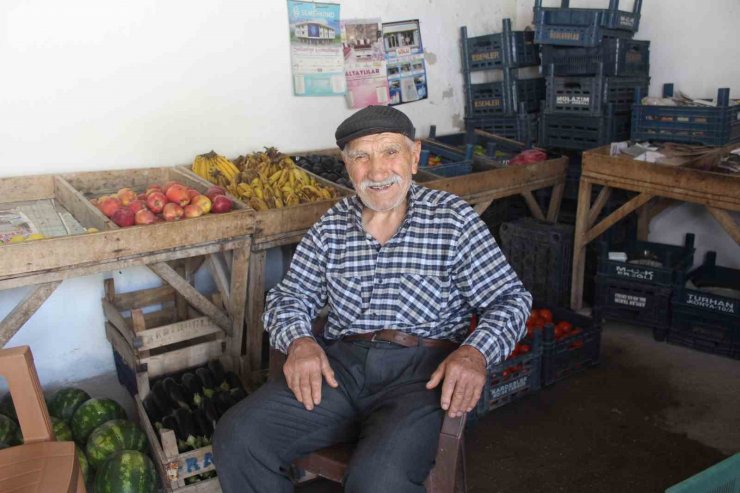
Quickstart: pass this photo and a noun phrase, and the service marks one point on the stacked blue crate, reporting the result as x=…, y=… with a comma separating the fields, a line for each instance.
x=507, y=107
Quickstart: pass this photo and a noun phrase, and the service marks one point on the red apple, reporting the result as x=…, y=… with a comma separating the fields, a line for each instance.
x=109, y=205
x=214, y=191
x=203, y=202
x=193, y=211
x=155, y=201
x=126, y=195
x=192, y=193
x=169, y=184
x=123, y=217
x=144, y=216
x=152, y=188
x=221, y=203
x=178, y=194
x=172, y=212
x=137, y=205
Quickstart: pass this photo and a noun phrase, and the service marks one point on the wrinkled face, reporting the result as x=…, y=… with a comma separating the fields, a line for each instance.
x=381, y=167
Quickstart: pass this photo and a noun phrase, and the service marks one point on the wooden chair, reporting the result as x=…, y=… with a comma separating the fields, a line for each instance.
x=447, y=475
x=41, y=464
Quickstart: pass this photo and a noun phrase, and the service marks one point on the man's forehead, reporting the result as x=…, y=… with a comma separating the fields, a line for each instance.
x=376, y=140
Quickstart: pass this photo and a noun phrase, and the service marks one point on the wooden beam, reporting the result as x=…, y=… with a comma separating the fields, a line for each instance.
x=238, y=306
x=534, y=207
x=200, y=302
x=555, y=200
x=25, y=309
x=579, y=243
x=481, y=207
x=727, y=222
x=599, y=204
x=217, y=267
x=608, y=222
x=256, y=306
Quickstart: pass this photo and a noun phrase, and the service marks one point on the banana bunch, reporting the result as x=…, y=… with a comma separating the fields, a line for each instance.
x=269, y=180
x=216, y=169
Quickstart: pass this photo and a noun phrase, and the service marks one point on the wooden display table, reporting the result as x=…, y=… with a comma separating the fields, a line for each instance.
x=657, y=187
x=168, y=249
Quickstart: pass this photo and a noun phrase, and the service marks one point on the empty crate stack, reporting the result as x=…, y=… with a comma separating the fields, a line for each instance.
x=507, y=107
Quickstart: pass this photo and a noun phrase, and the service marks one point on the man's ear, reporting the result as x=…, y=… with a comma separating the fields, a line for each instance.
x=416, y=155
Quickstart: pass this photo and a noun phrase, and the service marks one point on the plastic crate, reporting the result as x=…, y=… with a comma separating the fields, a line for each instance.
x=507, y=49
x=453, y=163
x=522, y=127
x=577, y=95
x=674, y=262
x=583, y=27
x=706, y=125
x=505, y=97
x=512, y=379
x=633, y=302
x=494, y=149
x=723, y=477
x=541, y=254
x=704, y=320
x=613, y=57
x=579, y=132
x=572, y=353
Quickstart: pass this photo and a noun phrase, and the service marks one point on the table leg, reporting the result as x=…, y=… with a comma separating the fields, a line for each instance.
x=238, y=304
x=255, y=307
x=556, y=199
x=643, y=221
x=579, y=244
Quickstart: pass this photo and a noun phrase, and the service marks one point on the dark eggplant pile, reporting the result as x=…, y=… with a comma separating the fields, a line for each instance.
x=327, y=167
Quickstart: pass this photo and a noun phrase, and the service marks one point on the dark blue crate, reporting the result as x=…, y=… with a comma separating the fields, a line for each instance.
x=707, y=320
x=592, y=95
x=723, y=477
x=454, y=163
x=521, y=127
x=583, y=27
x=488, y=148
x=513, y=378
x=573, y=353
x=505, y=97
x=674, y=260
x=705, y=125
x=579, y=132
x=633, y=302
x=613, y=57
x=508, y=49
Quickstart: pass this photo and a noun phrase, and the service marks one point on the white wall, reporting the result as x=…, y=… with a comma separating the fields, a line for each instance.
x=90, y=85
x=695, y=45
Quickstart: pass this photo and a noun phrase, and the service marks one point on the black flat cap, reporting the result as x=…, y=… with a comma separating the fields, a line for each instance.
x=373, y=120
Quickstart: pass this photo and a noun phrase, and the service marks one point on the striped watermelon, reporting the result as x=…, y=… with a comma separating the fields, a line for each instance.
x=128, y=471
x=84, y=463
x=10, y=434
x=93, y=413
x=61, y=430
x=113, y=436
x=65, y=402
x=7, y=408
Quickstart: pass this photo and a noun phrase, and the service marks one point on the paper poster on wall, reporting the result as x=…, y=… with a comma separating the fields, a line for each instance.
x=404, y=55
x=364, y=62
x=316, y=49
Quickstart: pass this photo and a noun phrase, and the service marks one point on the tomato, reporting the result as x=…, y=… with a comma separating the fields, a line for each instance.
x=564, y=326
x=545, y=315
x=524, y=349
x=534, y=322
x=506, y=373
x=559, y=332
x=576, y=344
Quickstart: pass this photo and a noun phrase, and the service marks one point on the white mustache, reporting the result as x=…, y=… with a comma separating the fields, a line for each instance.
x=388, y=181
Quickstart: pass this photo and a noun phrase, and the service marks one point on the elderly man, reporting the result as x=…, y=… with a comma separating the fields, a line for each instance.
x=402, y=268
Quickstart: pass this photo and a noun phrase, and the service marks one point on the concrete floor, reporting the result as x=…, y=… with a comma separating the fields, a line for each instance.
x=650, y=415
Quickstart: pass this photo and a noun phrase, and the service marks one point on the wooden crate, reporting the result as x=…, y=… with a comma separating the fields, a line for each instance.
x=160, y=341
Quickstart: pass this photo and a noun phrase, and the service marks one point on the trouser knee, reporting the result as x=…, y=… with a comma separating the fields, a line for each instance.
x=368, y=479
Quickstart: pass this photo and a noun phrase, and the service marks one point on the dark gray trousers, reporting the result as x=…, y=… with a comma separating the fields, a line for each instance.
x=381, y=403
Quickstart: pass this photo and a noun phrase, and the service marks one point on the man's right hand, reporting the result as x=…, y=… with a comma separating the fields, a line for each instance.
x=304, y=368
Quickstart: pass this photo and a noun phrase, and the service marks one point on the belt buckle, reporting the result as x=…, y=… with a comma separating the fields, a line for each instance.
x=374, y=338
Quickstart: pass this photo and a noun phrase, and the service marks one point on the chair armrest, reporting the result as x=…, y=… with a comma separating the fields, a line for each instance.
x=450, y=460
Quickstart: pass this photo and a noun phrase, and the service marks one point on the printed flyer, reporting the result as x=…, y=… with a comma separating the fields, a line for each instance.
x=364, y=63
x=404, y=55
x=316, y=49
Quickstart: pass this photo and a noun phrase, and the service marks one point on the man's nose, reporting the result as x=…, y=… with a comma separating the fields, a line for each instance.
x=378, y=166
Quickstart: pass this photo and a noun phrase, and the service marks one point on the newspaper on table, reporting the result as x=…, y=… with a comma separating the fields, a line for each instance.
x=15, y=223
x=404, y=55
x=364, y=62
x=316, y=49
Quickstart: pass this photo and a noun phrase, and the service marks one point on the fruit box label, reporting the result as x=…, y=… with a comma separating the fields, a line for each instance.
x=487, y=56
x=629, y=300
x=509, y=388
x=626, y=21
x=487, y=103
x=710, y=303
x=573, y=100
x=634, y=273
x=196, y=464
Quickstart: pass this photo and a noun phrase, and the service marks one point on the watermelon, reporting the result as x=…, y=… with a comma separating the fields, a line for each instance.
x=84, y=464
x=127, y=471
x=93, y=413
x=113, y=436
x=65, y=402
x=10, y=434
x=7, y=408
x=61, y=430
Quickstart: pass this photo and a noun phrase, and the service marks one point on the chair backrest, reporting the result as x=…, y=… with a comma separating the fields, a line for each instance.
x=16, y=365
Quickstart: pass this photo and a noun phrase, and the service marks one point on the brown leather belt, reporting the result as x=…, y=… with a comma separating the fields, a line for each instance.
x=401, y=338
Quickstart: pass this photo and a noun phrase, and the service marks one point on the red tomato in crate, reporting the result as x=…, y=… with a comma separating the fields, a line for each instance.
x=545, y=315
x=576, y=344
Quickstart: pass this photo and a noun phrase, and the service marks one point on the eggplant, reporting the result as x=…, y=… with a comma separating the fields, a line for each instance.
x=193, y=388
x=170, y=423
x=205, y=427
x=232, y=381
x=152, y=409
x=217, y=370
x=175, y=394
x=206, y=378
x=210, y=411
x=237, y=394
x=186, y=424
x=223, y=402
x=161, y=398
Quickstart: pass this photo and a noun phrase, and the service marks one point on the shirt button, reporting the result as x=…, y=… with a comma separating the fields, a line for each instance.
x=380, y=280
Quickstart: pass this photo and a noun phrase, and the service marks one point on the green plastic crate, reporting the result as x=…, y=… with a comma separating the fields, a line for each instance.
x=720, y=478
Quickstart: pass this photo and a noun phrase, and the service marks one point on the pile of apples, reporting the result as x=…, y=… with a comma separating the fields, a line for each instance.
x=171, y=202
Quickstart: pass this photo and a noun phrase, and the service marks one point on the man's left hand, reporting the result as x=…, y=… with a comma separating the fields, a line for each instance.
x=464, y=375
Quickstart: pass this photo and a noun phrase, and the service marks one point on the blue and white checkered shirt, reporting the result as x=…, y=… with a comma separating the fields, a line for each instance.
x=428, y=279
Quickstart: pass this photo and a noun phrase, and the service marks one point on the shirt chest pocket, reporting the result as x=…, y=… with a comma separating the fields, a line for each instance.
x=422, y=297
x=348, y=295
